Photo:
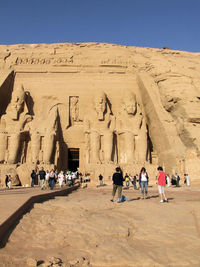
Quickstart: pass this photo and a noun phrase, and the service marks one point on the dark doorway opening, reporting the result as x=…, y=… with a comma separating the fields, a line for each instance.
x=73, y=159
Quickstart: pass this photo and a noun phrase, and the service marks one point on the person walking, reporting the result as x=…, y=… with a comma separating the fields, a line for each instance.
x=6, y=181
x=33, y=178
x=69, y=179
x=47, y=179
x=177, y=180
x=187, y=179
x=9, y=181
x=60, y=178
x=100, y=179
x=127, y=180
x=42, y=175
x=117, y=184
x=52, y=178
x=161, y=184
x=173, y=180
x=143, y=181
x=134, y=182
x=168, y=180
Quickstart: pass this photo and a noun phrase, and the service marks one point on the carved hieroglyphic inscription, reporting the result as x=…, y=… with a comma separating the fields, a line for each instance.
x=44, y=61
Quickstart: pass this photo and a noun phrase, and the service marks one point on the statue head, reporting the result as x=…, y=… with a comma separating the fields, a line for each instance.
x=17, y=102
x=130, y=103
x=100, y=105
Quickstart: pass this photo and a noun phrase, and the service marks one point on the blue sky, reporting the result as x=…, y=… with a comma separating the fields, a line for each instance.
x=149, y=23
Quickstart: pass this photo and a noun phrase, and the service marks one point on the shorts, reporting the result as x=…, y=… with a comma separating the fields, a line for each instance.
x=161, y=189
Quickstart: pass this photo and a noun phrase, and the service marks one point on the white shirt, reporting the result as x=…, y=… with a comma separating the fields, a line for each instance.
x=143, y=177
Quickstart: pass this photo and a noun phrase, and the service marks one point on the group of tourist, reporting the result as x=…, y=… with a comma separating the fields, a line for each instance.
x=162, y=179
x=48, y=179
x=131, y=179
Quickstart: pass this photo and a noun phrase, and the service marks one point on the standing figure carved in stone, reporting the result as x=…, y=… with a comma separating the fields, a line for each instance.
x=131, y=131
x=74, y=109
x=99, y=126
x=12, y=125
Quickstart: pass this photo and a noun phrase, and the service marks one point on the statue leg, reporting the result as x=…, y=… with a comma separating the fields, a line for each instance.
x=2, y=147
x=121, y=148
x=95, y=147
x=87, y=148
x=141, y=146
x=129, y=147
x=35, y=148
x=108, y=146
x=48, y=148
x=14, y=148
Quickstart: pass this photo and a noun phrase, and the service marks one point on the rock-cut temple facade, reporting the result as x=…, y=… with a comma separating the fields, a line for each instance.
x=96, y=106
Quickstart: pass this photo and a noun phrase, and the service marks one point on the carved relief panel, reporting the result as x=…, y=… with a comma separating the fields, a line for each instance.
x=73, y=110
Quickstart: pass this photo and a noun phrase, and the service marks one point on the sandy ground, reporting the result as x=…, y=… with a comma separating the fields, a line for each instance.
x=86, y=229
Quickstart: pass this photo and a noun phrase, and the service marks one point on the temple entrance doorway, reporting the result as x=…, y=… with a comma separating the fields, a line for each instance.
x=73, y=159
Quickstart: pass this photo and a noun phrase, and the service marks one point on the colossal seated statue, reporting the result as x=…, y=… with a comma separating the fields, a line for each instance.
x=131, y=132
x=99, y=126
x=12, y=125
x=43, y=134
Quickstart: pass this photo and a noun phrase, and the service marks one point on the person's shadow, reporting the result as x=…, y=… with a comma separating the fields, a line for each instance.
x=149, y=197
x=133, y=199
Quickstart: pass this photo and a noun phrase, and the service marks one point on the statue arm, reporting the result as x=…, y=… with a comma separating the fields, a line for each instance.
x=143, y=124
x=21, y=124
x=2, y=123
x=119, y=128
x=112, y=124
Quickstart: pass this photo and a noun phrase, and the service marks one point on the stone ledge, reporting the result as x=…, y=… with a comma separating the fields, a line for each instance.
x=12, y=219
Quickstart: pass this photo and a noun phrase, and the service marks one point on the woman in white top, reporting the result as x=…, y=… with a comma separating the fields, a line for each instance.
x=168, y=180
x=187, y=179
x=61, y=178
x=143, y=181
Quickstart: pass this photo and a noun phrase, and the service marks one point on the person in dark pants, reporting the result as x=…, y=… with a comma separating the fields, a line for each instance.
x=52, y=179
x=100, y=179
x=33, y=177
x=6, y=181
x=117, y=184
x=135, y=182
x=177, y=180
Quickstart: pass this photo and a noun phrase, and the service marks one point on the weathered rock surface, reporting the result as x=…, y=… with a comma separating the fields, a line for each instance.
x=96, y=106
x=87, y=229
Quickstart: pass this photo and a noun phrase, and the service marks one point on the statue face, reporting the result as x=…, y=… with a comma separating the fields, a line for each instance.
x=17, y=103
x=100, y=106
x=130, y=105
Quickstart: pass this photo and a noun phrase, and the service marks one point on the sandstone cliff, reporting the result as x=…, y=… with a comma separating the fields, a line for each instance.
x=59, y=84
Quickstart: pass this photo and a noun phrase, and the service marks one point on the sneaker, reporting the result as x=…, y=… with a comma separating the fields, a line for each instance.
x=166, y=200
x=161, y=201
